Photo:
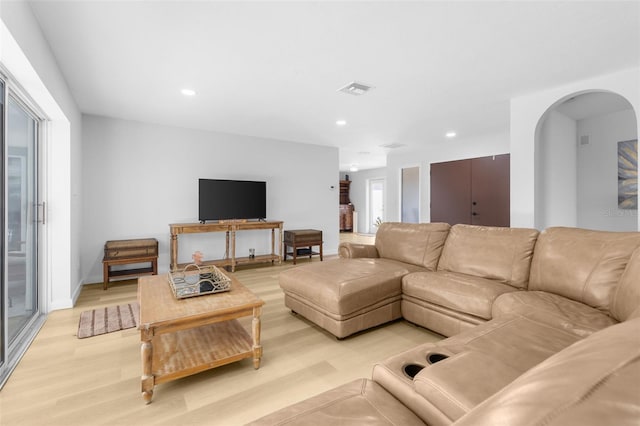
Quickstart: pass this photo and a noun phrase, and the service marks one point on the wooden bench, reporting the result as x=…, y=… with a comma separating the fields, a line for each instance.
x=129, y=252
x=302, y=242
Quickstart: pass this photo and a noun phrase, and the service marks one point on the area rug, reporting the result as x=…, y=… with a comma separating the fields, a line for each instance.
x=109, y=319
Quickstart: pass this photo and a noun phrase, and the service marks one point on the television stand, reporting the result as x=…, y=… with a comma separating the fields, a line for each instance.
x=230, y=228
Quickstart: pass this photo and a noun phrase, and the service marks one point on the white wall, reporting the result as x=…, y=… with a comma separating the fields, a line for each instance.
x=358, y=193
x=457, y=149
x=556, y=183
x=526, y=112
x=139, y=178
x=26, y=54
x=410, y=195
x=598, y=172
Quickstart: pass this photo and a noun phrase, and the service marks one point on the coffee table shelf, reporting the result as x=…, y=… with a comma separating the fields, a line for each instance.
x=227, y=342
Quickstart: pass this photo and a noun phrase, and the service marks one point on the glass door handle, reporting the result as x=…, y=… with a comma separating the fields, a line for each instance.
x=41, y=217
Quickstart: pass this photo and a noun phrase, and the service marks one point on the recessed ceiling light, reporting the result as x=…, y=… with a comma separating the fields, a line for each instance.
x=450, y=134
x=341, y=122
x=353, y=168
x=188, y=92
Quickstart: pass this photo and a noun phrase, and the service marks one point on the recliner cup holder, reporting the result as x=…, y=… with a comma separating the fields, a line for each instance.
x=410, y=370
x=434, y=357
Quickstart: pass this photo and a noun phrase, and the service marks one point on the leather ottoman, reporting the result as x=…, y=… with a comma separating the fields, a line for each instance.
x=344, y=300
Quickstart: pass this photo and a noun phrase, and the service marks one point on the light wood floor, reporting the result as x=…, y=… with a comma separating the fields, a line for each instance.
x=67, y=381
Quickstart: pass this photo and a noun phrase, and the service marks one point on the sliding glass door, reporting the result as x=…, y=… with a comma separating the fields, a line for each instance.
x=21, y=218
x=3, y=292
x=20, y=306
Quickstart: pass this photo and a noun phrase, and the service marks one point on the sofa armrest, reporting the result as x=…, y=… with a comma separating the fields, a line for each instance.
x=353, y=250
x=459, y=383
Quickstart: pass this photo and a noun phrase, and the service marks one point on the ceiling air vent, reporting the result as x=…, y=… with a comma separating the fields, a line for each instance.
x=356, y=89
x=392, y=145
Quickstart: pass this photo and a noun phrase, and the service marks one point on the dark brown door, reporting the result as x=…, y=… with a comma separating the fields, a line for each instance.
x=490, y=191
x=473, y=191
x=451, y=192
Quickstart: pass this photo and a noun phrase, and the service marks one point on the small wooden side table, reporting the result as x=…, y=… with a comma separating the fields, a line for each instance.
x=303, y=239
x=129, y=252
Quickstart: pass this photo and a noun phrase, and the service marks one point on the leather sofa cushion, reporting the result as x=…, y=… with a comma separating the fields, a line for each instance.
x=581, y=264
x=457, y=384
x=418, y=244
x=460, y=292
x=344, y=286
x=500, y=254
x=518, y=341
x=361, y=402
x=627, y=296
x=593, y=382
x=553, y=310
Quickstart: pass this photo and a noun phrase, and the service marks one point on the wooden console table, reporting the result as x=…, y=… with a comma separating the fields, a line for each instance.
x=230, y=228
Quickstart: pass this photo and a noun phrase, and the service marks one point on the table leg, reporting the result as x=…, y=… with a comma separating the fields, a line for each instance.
x=233, y=250
x=146, y=352
x=273, y=243
x=320, y=251
x=105, y=275
x=280, y=243
x=174, y=252
x=257, y=348
x=226, y=247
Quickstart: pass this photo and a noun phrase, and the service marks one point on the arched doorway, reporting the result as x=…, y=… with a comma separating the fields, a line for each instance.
x=576, y=162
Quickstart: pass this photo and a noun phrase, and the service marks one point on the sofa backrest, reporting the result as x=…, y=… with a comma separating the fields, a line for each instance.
x=626, y=298
x=592, y=382
x=581, y=264
x=501, y=254
x=415, y=243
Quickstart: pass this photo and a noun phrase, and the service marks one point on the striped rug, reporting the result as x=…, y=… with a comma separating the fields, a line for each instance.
x=109, y=319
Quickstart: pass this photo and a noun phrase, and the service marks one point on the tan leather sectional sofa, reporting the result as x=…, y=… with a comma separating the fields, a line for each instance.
x=544, y=327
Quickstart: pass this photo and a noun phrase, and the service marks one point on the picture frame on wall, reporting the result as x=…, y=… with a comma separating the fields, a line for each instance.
x=628, y=175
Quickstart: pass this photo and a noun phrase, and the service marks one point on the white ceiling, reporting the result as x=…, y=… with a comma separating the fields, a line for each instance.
x=271, y=69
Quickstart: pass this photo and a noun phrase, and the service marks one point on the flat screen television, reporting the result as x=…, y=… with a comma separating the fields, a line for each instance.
x=220, y=199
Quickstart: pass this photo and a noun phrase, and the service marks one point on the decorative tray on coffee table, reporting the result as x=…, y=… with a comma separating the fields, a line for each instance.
x=196, y=280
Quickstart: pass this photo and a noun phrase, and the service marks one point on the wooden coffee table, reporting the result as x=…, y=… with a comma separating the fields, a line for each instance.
x=180, y=337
